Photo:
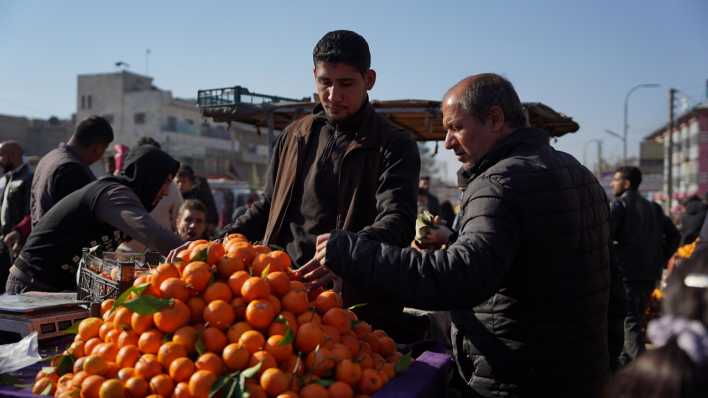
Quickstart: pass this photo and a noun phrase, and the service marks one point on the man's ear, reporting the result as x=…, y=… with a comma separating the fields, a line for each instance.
x=496, y=118
x=370, y=78
x=625, y=184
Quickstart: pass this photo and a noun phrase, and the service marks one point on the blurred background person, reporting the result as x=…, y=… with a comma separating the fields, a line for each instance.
x=692, y=219
x=14, y=204
x=191, y=220
x=426, y=200
x=194, y=187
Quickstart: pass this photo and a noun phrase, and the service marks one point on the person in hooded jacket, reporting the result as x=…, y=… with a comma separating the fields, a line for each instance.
x=103, y=213
x=692, y=219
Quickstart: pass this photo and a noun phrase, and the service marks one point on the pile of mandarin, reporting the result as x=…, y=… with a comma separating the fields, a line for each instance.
x=226, y=307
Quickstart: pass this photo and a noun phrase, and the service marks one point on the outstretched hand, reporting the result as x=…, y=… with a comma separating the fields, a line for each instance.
x=316, y=273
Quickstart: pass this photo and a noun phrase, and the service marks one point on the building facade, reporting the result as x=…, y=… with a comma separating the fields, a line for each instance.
x=135, y=107
x=689, y=162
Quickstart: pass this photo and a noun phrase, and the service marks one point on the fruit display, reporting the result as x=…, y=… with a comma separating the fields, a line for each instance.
x=226, y=319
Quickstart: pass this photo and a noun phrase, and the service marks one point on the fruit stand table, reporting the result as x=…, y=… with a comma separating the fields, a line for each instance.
x=426, y=377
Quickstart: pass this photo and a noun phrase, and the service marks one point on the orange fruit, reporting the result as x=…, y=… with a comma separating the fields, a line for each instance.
x=107, y=351
x=214, y=339
x=147, y=366
x=219, y=313
x=267, y=361
x=331, y=335
x=95, y=365
x=254, y=389
x=79, y=378
x=136, y=387
x=314, y=391
x=386, y=346
x=236, y=330
x=275, y=303
x=320, y=361
x=170, y=351
x=76, y=349
x=88, y=327
x=255, y=288
x=370, y=381
x=128, y=337
x=243, y=252
x=309, y=336
x=339, y=318
x=217, y=291
x=196, y=308
x=162, y=385
x=348, y=372
x=252, y=340
x=259, y=263
x=260, y=313
x=42, y=384
x=229, y=265
x=112, y=370
x=284, y=321
x=279, y=283
x=327, y=300
x=295, y=301
x=78, y=364
x=174, y=288
x=127, y=356
x=341, y=352
x=112, y=336
x=239, y=305
x=278, y=351
x=186, y=336
x=309, y=317
x=111, y=388
x=107, y=305
x=161, y=273
x=181, y=369
x=361, y=329
x=236, y=356
x=181, y=390
x=340, y=390
x=261, y=249
x=173, y=317
x=53, y=377
x=150, y=341
x=297, y=285
x=122, y=318
x=141, y=323
x=197, y=275
x=211, y=362
x=104, y=329
x=196, y=243
x=236, y=281
x=200, y=383
x=91, y=386
x=288, y=394
x=274, y=381
x=279, y=260
x=126, y=373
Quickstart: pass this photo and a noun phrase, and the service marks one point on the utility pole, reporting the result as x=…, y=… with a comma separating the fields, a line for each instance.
x=670, y=156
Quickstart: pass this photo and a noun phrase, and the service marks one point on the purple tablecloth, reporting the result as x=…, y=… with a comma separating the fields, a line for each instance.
x=425, y=378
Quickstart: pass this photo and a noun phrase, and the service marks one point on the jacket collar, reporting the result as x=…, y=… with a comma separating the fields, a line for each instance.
x=24, y=168
x=519, y=137
x=359, y=126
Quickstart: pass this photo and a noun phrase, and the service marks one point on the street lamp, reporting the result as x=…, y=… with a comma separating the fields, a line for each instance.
x=626, y=108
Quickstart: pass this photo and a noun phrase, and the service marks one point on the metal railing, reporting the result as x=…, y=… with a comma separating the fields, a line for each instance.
x=230, y=96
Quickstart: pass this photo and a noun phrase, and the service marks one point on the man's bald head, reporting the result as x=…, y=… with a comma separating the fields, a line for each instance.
x=10, y=155
x=477, y=94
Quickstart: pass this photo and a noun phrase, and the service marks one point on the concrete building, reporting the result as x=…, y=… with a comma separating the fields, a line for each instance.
x=690, y=153
x=135, y=107
x=36, y=136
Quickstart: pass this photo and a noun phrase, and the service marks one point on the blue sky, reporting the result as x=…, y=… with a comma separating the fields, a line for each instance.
x=579, y=57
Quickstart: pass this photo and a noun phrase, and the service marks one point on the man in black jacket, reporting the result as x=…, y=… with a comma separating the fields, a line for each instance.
x=692, y=219
x=14, y=203
x=526, y=278
x=643, y=240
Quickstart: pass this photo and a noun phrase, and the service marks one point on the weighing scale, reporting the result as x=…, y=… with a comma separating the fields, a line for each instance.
x=48, y=314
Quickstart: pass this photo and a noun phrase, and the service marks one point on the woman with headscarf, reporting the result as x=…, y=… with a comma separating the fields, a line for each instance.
x=103, y=213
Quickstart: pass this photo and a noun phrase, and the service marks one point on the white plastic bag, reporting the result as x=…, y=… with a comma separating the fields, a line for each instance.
x=19, y=355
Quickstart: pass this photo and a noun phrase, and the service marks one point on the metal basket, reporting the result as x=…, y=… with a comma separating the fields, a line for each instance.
x=102, y=278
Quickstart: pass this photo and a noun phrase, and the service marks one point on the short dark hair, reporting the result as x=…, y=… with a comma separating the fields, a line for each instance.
x=488, y=90
x=192, y=205
x=343, y=47
x=93, y=130
x=149, y=141
x=631, y=174
x=186, y=171
x=425, y=178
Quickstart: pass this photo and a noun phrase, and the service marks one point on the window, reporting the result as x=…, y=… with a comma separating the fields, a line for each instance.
x=139, y=118
x=88, y=101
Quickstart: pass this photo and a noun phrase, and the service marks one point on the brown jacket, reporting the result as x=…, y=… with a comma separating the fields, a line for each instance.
x=378, y=186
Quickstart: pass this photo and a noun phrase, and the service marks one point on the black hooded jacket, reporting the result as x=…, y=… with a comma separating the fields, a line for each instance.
x=53, y=249
x=692, y=220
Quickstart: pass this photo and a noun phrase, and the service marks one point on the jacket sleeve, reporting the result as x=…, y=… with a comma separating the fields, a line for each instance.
x=465, y=274
x=616, y=219
x=253, y=221
x=672, y=237
x=396, y=194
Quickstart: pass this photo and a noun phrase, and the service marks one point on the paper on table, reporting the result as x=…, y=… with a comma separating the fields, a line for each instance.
x=19, y=355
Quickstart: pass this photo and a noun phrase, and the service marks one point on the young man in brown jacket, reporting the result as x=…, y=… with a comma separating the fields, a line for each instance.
x=341, y=167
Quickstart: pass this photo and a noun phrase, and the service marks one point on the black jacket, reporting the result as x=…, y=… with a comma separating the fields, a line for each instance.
x=643, y=237
x=527, y=279
x=18, y=188
x=692, y=220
